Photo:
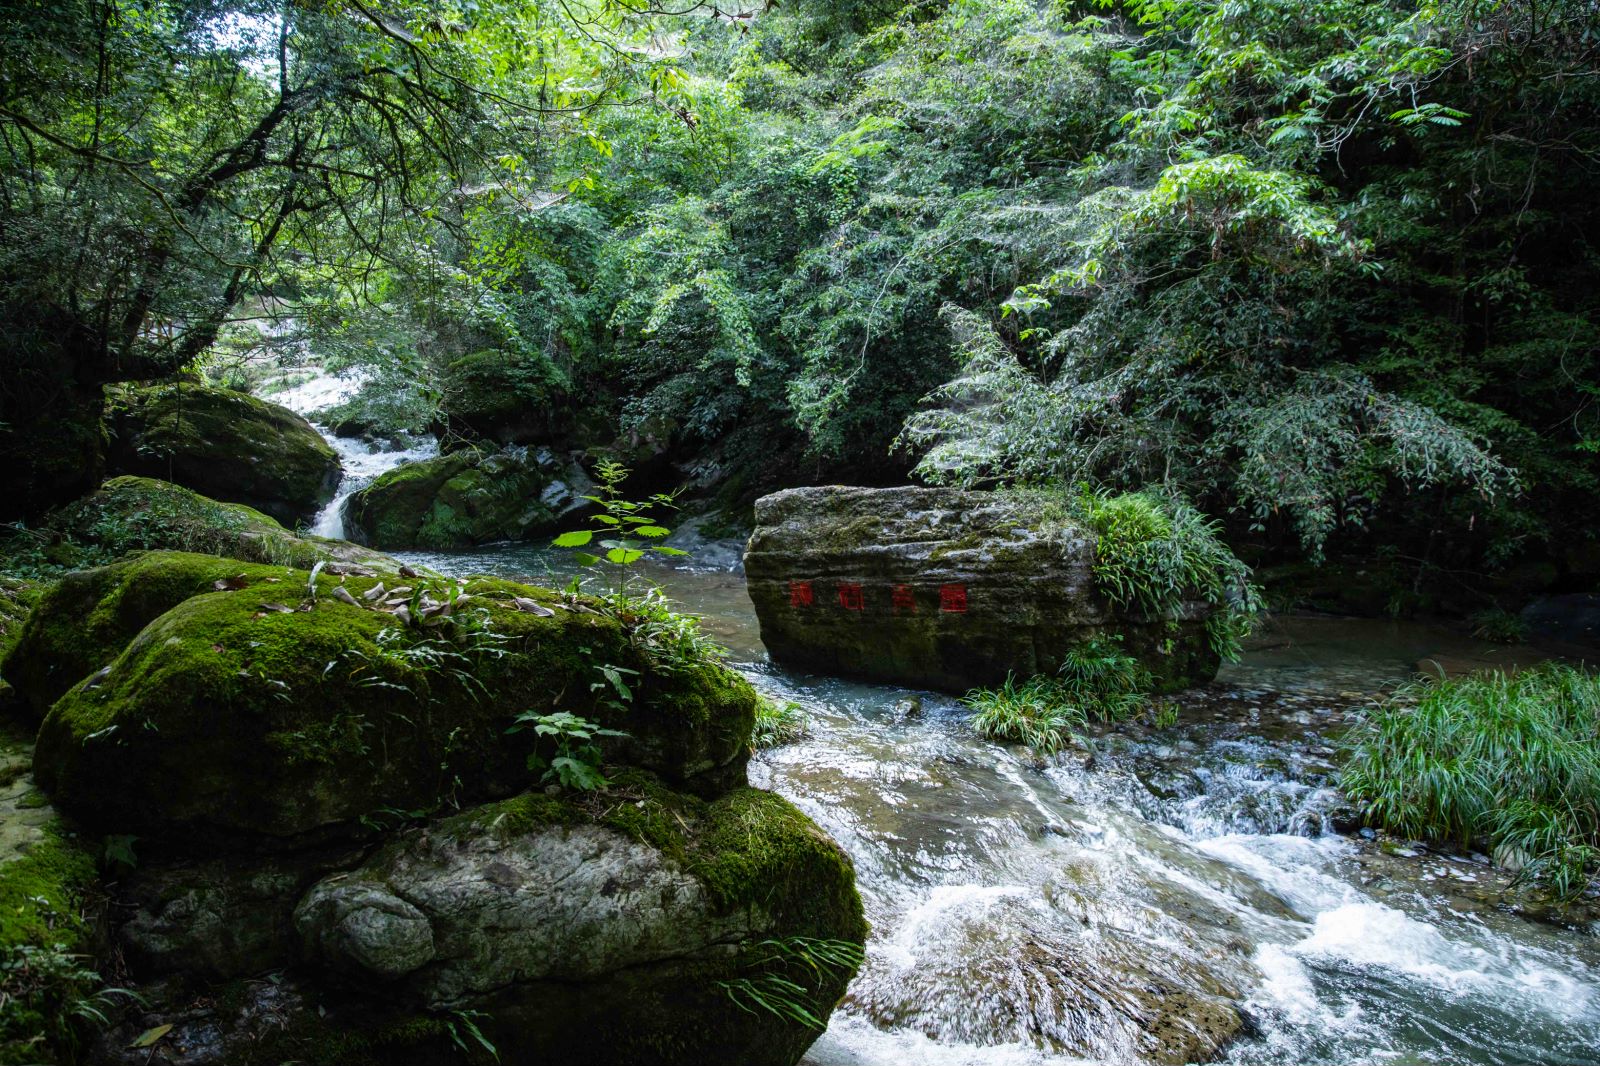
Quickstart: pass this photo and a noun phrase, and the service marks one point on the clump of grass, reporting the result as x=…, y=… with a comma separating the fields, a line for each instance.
x=1511, y=762
x=1155, y=554
x=1500, y=626
x=777, y=723
x=1098, y=681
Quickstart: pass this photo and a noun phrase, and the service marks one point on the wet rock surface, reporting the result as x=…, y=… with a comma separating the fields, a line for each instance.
x=941, y=588
x=467, y=497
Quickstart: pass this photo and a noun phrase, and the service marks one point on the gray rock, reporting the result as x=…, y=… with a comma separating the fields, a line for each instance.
x=465, y=916
x=942, y=588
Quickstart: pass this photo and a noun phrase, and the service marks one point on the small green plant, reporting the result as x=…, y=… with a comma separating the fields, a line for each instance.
x=1031, y=713
x=629, y=530
x=792, y=973
x=1156, y=553
x=577, y=758
x=1509, y=762
x=462, y=1026
x=777, y=723
x=1502, y=627
x=1097, y=681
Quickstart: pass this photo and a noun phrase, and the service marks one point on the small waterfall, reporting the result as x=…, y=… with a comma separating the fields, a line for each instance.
x=361, y=461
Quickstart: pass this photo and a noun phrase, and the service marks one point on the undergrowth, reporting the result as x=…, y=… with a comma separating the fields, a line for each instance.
x=1512, y=763
x=1098, y=682
x=1156, y=554
x=777, y=722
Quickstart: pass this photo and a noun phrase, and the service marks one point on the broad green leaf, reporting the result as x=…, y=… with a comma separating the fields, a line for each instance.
x=576, y=539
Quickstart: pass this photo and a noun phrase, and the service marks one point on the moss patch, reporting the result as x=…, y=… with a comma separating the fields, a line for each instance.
x=259, y=711
x=454, y=501
x=83, y=622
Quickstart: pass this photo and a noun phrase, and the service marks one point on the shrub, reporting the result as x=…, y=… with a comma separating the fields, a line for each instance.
x=1511, y=762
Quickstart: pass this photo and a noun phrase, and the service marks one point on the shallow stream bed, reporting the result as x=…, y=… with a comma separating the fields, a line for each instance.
x=1132, y=910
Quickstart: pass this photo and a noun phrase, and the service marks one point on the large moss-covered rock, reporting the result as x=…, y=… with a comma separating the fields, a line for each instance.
x=500, y=396
x=623, y=926
x=567, y=916
x=85, y=620
x=227, y=445
x=466, y=498
x=137, y=514
x=943, y=588
x=261, y=712
x=323, y=790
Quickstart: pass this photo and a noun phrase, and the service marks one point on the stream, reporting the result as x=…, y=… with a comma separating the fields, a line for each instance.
x=1062, y=912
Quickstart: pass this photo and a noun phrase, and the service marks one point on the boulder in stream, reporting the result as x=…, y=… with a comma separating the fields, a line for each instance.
x=944, y=588
x=227, y=445
x=327, y=786
x=465, y=498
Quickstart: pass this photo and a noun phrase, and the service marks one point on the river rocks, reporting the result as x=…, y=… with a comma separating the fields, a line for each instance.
x=227, y=445
x=136, y=513
x=465, y=498
x=942, y=588
x=324, y=782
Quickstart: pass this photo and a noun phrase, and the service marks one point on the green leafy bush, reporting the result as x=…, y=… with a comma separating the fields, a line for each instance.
x=1511, y=762
x=1155, y=554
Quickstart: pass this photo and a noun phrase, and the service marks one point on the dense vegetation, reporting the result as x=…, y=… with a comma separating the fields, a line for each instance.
x=1511, y=763
x=1327, y=271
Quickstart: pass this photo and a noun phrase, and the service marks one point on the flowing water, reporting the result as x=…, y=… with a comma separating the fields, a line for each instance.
x=1119, y=910
x=1027, y=913
x=361, y=461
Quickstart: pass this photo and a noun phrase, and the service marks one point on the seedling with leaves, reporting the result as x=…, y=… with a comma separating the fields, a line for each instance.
x=629, y=529
x=576, y=763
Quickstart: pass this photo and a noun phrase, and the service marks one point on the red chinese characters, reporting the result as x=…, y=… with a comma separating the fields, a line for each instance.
x=850, y=597
x=800, y=594
x=953, y=599
x=904, y=600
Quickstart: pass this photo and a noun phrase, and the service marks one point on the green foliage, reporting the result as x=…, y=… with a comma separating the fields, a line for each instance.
x=790, y=973
x=1155, y=554
x=575, y=762
x=777, y=723
x=1512, y=762
x=629, y=530
x=1097, y=682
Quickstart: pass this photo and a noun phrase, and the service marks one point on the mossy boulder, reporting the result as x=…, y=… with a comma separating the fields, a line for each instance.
x=562, y=916
x=260, y=712
x=466, y=498
x=84, y=621
x=945, y=589
x=505, y=397
x=621, y=926
x=17, y=599
x=136, y=514
x=227, y=445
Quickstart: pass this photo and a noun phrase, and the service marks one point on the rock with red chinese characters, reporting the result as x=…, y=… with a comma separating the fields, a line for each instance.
x=943, y=588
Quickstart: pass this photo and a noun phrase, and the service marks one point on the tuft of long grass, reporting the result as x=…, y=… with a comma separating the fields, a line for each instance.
x=1512, y=762
x=777, y=723
x=1096, y=681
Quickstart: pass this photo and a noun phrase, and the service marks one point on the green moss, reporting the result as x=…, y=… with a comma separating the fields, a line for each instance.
x=453, y=501
x=83, y=622
x=42, y=890
x=227, y=445
x=259, y=711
